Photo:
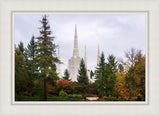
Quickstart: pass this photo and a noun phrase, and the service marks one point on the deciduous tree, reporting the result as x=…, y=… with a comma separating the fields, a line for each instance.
x=135, y=78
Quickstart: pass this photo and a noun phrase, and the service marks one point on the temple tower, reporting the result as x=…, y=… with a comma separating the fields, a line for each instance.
x=85, y=58
x=88, y=72
x=75, y=50
x=98, y=56
x=74, y=61
x=59, y=65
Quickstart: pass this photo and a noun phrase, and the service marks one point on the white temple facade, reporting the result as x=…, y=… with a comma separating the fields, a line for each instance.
x=74, y=61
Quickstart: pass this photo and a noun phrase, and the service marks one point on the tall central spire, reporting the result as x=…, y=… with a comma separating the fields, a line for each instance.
x=75, y=50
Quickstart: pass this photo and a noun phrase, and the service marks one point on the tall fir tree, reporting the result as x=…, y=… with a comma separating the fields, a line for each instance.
x=45, y=55
x=105, y=76
x=31, y=48
x=66, y=75
x=30, y=52
x=82, y=77
x=22, y=50
x=21, y=47
x=110, y=75
x=100, y=76
x=112, y=63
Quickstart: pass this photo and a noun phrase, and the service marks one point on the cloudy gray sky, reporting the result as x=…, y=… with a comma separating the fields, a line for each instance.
x=114, y=33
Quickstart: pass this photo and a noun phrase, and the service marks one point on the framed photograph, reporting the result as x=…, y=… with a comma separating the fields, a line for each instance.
x=79, y=57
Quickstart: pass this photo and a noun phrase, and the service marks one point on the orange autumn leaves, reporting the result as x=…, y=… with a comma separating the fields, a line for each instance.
x=119, y=86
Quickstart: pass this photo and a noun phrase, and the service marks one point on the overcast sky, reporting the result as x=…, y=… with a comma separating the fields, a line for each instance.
x=115, y=33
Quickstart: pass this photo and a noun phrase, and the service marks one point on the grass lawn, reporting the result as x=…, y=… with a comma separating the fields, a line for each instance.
x=37, y=98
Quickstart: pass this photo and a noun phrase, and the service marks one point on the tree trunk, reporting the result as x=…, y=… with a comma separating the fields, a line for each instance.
x=44, y=91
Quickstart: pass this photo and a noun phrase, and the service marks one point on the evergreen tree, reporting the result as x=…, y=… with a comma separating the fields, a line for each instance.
x=22, y=82
x=91, y=74
x=66, y=75
x=120, y=68
x=45, y=55
x=110, y=75
x=30, y=52
x=112, y=63
x=21, y=47
x=100, y=76
x=105, y=76
x=31, y=48
x=82, y=77
x=22, y=50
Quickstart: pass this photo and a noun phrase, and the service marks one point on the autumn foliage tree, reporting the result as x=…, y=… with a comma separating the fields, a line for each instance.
x=119, y=87
x=66, y=86
x=135, y=77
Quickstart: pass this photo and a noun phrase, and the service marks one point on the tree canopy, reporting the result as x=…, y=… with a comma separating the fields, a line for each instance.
x=82, y=77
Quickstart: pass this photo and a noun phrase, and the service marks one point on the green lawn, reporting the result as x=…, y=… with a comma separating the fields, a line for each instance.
x=37, y=98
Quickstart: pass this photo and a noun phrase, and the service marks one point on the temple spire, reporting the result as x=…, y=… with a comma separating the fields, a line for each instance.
x=75, y=49
x=85, y=57
x=75, y=30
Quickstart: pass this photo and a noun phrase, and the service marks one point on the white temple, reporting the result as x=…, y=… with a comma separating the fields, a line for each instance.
x=74, y=61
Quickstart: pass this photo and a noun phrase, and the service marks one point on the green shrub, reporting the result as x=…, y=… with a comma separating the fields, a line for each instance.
x=53, y=92
x=27, y=98
x=123, y=99
x=105, y=98
x=75, y=97
x=110, y=98
x=63, y=94
x=57, y=98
